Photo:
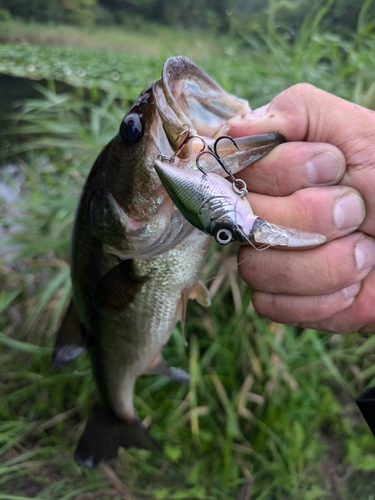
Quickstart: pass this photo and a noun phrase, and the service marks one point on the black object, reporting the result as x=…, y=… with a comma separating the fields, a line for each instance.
x=366, y=404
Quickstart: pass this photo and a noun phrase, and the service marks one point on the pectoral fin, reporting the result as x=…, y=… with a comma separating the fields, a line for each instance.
x=71, y=338
x=118, y=288
x=201, y=294
x=160, y=367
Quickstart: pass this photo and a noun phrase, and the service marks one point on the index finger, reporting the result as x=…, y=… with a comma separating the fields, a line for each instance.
x=306, y=113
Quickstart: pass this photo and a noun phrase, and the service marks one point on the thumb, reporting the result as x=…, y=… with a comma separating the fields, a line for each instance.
x=306, y=113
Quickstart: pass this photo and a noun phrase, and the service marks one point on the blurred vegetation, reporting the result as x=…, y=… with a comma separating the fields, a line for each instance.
x=269, y=414
x=233, y=16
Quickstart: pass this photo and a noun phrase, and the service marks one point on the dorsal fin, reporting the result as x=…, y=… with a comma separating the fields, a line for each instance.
x=71, y=338
x=119, y=287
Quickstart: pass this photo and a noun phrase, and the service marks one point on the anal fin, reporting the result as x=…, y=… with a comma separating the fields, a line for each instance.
x=71, y=338
x=105, y=433
x=160, y=367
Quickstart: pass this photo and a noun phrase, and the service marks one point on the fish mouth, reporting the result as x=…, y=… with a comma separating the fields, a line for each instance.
x=191, y=109
x=189, y=102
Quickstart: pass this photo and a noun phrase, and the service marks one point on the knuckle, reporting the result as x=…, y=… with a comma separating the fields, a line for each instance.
x=302, y=208
x=330, y=274
x=261, y=302
x=301, y=89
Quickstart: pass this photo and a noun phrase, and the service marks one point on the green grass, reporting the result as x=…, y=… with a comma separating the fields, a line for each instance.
x=253, y=65
x=270, y=408
x=149, y=39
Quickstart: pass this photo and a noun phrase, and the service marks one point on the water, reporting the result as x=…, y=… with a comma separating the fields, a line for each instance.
x=12, y=92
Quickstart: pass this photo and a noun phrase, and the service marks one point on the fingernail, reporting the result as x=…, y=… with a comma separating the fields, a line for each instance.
x=258, y=113
x=349, y=211
x=351, y=291
x=323, y=168
x=365, y=253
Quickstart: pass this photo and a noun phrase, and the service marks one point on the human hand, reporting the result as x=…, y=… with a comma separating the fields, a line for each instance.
x=331, y=287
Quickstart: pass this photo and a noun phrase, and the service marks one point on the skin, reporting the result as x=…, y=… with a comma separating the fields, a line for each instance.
x=321, y=180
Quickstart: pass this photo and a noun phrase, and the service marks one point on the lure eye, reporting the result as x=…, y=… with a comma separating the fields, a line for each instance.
x=224, y=236
x=131, y=129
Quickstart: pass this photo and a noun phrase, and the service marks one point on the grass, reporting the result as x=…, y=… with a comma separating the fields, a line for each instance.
x=253, y=65
x=149, y=39
x=270, y=410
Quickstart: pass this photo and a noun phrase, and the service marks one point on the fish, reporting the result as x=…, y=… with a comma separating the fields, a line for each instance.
x=220, y=208
x=135, y=259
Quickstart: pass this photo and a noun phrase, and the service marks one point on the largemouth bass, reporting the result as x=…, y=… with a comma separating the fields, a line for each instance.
x=135, y=259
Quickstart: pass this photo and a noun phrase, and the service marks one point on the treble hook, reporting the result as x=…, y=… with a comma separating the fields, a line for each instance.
x=239, y=186
x=220, y=139
x=203, y=151
x=213, y=152
x=219, y=159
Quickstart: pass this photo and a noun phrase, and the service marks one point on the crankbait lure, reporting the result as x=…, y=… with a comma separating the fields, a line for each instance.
x=220, y=208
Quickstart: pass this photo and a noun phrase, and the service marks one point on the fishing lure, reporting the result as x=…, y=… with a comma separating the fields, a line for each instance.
x=220, y=208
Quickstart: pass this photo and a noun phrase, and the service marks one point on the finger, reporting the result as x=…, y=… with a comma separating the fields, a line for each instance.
x=294, y=309
x=306, y=113
x=319, y=271
x=293, y=166
x=358, y=317
x=333, y=211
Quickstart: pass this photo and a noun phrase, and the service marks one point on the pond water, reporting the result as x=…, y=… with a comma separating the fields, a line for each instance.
x=12, y=91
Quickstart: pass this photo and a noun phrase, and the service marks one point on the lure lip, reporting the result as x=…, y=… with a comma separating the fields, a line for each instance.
x=267, y=233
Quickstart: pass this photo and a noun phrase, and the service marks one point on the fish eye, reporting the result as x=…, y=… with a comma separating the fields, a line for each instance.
x=131, y=129
x=224, y=236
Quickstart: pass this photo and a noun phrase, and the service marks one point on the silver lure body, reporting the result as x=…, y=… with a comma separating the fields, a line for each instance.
x=211, y=203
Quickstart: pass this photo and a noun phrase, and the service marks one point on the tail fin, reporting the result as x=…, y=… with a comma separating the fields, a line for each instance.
x=105, y=433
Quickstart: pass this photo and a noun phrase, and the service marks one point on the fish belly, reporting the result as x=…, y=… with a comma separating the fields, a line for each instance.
x=132, y=339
